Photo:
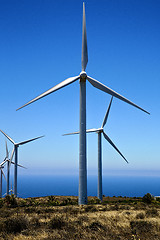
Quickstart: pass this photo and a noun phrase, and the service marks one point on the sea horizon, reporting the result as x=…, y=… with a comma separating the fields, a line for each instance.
x=129, y=186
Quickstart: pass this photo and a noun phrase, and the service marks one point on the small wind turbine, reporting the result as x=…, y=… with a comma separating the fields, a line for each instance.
x=10, y=191
x=100, y=131
x=16, y=145
x=9, y=161
x=2, y=174
x=82, y=137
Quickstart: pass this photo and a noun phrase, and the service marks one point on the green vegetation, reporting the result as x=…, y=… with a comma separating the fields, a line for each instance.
x=148, y=198
x=60, y=217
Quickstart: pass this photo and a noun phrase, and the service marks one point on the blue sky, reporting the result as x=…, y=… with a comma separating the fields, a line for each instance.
x=41, y=46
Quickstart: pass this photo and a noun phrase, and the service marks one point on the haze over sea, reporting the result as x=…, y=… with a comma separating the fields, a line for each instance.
x=130, y=186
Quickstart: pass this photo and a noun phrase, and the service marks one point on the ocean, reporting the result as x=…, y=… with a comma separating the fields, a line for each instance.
x=134, y=186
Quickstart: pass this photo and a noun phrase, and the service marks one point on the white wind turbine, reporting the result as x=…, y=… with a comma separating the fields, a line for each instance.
x=100, y=131
x=16, y=145
x=2, y=174
x=9, y=161
x=82, y=138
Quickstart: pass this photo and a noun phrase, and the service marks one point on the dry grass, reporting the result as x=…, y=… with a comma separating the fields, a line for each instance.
x=58, y=217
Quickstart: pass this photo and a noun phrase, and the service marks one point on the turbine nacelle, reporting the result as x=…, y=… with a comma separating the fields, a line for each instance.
x=83, y=76
x=99, y=130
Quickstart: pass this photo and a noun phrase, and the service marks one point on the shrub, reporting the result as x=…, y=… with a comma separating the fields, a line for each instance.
x=140, y=215
x=94, y=201
x=114, y=207
x=2, y=226
x=147, y=198
x=152, y=212
x=90, y=208
x=10, y=200
x=30, y=210
x=23, y=203
x=141, y=227
x=96, y=225
x=52, y=201
x=1, y=203
x=81, y=219
x=67, y=201
x=71, y=210
x=33, y=202
x=56, y=223
x=35, y=222
x=51, y=198
x=16, y=224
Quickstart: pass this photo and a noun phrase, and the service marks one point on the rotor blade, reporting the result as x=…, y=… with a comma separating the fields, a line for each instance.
x=107, y=113
x=10, y=160
x=113, y=145
x=7, y=153
x=70, y=133
x=84, y=42
x=27, y=141
x=106, y=89
x=9, y=138
x=12, y=154
x=19, y=165
x=3, y=175
x=53, y=89
x=87, y=131
x=2, y=163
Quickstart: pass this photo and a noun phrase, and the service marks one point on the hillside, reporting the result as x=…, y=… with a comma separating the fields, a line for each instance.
x=60, y=217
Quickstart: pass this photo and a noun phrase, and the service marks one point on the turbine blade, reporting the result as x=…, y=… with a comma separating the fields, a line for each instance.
x=2, y=163
x=3, y=175
x=53, y=89
x=19, y=165
x=113, y=145
x=9, y=138
x=7, y=153
x=106, y=89
x=87, y=131
x=84, y=42
x=27, y=141
x=12, y=154
x=107, y=113
x=70, y=133
x=10, y=160
x=92, y=130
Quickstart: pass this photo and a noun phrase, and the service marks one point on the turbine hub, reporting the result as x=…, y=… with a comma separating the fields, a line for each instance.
x=83, y=75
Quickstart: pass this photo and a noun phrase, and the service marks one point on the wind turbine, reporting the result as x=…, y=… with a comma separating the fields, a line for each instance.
x=100, y=131
x=82, y=137
x=6, y=160
x=16, y=145
x=2, y=174
x=9, y=162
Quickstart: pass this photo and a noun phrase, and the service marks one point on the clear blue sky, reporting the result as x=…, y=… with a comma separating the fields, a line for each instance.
x=41, y=46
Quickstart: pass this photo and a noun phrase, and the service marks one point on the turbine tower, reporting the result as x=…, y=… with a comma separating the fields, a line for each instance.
x=16, y=145
x=9, y=161
x=2, y=174
x=100, y=131
x=82, y=125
